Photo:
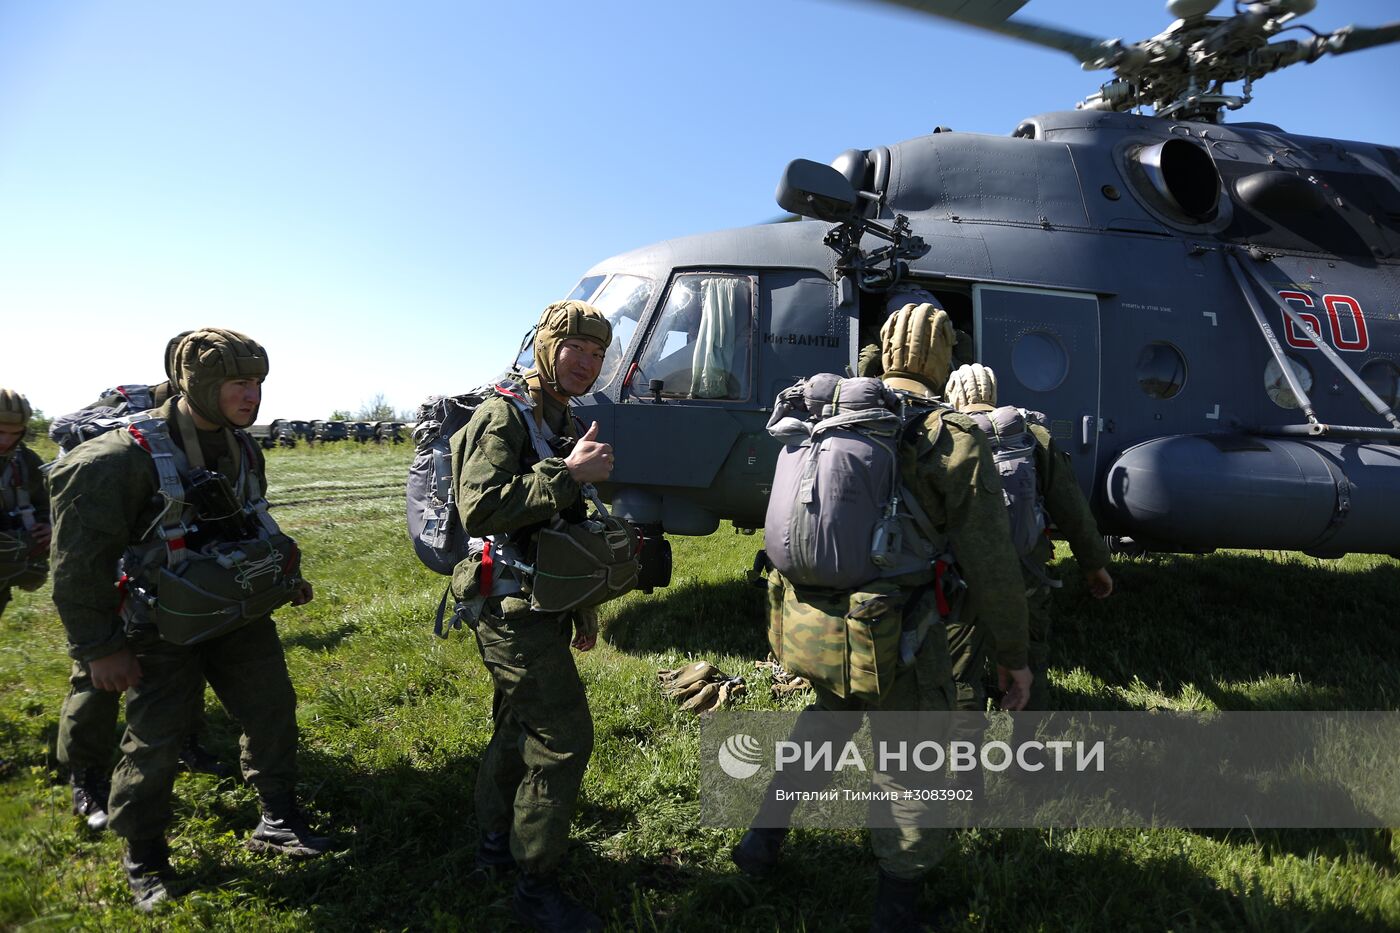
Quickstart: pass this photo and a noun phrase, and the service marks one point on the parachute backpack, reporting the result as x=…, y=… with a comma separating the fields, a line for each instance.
x=1013, y=447
x=838, y=516
x=853, y=553
x=68, y=431
x=433, y=524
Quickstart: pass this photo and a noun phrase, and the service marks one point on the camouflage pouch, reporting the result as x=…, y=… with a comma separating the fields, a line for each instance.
x=224, y=588
x=578, y=566
x=846, y=643
x=19, y=567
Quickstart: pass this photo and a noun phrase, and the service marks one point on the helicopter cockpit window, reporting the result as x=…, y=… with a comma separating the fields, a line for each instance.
x=700, y=346
x=1161, y=370
x=1039, y=360
x=1277, y=386
x=1383, y=378
x=585, y=288
x=622, y=300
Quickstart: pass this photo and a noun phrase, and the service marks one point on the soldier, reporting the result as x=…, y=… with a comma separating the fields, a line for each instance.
x=946, y=464
x=87, y=722
x=972, y=389
x=24, y=503
x=129, y=497
x=534, y=765
x=869, y=363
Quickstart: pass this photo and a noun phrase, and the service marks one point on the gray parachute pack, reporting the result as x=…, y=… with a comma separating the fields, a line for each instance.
x=1013, y=448
x=838, y=515
x=70, y=430
x=433, y=524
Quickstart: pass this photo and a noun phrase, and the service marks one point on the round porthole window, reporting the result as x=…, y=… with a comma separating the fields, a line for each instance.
x=1039, y=360
x=1161, y=370
x=1383, y=378
x=1277, y=386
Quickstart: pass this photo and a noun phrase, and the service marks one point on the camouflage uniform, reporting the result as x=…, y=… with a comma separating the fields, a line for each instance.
x=87, y=723
x=948, y=467
x=533, y=768
x=1066, y=506
x=21, y=460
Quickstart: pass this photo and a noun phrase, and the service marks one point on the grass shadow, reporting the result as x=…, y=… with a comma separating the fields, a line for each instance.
x=718, y=618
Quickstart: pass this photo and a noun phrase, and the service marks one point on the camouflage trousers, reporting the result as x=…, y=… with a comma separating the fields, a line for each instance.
x=533, y=767
x=248, y=672
x=909, y=852
x=87, y=723
x=968, y=649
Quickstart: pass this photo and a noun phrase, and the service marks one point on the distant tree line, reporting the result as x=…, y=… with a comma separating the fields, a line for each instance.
x=376, y=409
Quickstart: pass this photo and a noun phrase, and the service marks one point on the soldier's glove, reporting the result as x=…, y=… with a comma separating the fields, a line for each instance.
x=916, y=345
x=868, y=363
x=784, y=682
x=700, y=687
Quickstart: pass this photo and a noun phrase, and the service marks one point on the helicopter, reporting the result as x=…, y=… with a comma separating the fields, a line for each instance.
x=1207, y=311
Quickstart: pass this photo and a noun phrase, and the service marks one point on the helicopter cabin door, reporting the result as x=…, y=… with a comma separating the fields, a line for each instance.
x=1044, y=347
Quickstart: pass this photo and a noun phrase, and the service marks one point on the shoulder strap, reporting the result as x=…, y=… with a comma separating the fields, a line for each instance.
x=17, y=488
x=153, y=436
x=542, y=434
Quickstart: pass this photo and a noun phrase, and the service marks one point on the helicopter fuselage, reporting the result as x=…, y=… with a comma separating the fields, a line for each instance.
x=1107, y=274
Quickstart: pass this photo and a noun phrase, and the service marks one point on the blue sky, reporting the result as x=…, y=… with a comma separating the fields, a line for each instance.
x=386, y=195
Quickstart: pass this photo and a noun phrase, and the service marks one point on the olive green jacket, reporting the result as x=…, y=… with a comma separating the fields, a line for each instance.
x=497, y=492
x=106, y=498
x=948, y=466
x=33, y=480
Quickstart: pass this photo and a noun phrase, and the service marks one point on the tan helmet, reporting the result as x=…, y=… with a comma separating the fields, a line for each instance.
x=971, y=384
x=170, y=347
x=14, y=408
x=203, y=360
x=908, y=296
x=916, y=347
x=561, y=321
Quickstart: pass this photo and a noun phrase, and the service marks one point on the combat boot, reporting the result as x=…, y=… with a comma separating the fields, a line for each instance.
x=542, y=905
x=147, y=865
x=493, y=858
x=897, y=907
x=758, y=851
x=283, y=829
x=198, y=759
x=91, y=788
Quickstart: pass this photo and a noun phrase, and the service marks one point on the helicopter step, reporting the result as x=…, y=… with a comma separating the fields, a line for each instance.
x=1197, y=492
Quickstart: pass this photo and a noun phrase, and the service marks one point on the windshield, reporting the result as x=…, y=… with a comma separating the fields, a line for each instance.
x=622, y=301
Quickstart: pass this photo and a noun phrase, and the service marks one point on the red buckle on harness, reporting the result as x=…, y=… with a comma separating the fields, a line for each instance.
x=939, y=567
x=488, y=567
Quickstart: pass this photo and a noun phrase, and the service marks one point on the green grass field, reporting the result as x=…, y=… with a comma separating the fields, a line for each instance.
x=393, y=721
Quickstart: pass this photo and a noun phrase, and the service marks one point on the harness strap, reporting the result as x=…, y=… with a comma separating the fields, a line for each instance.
x=154, y=437
x=19, y=491
x=540, y=436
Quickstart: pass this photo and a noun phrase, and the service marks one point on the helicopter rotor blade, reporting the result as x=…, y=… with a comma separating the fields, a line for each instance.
x=992, y=15
x=1356, y=38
